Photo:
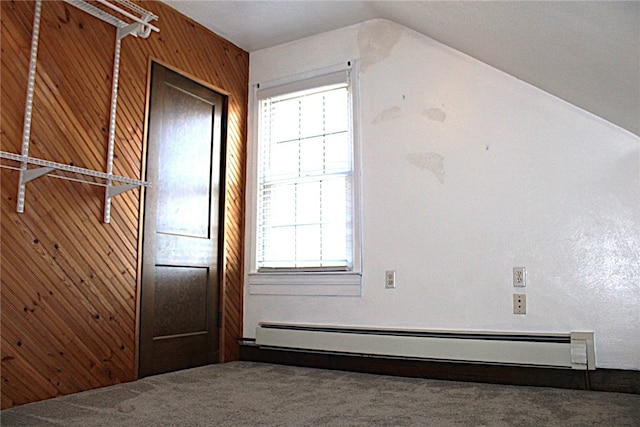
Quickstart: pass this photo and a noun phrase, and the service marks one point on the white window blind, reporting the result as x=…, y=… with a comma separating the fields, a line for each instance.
x=305, y=176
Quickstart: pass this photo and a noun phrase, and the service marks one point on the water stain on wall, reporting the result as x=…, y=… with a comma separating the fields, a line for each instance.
x=376, y=40
x=435, y=114
x=388, y=114
x=432, y=162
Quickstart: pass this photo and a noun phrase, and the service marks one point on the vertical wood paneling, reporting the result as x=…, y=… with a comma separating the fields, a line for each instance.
x=69, y=281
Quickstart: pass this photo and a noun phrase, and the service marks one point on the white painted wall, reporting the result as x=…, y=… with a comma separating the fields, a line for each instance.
x=468, y=172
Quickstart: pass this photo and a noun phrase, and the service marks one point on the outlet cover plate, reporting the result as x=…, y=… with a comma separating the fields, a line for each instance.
x=390, y=279
x=519, y=304
x=519, y=277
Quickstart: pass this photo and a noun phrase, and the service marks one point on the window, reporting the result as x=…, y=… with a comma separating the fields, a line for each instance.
x=306, y=203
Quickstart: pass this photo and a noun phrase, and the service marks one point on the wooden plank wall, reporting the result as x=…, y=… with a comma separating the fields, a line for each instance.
x=69, y=281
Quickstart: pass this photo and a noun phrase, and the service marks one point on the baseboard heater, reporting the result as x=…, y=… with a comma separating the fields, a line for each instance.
x=574, y=350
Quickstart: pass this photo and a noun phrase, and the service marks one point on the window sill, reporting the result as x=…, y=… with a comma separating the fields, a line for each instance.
x=307, y=284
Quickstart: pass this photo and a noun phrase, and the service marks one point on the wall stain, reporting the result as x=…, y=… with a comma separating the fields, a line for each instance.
x=432, y=162
x=435, y=114
x=388, y=114
x=376, y=40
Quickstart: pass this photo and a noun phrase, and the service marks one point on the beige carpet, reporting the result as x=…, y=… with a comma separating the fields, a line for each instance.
x=255, y=394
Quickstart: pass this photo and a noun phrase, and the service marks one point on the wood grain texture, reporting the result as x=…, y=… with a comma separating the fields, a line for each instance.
x=69, y=281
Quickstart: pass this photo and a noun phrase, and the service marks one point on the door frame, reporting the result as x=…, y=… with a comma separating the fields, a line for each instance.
x=222, y=241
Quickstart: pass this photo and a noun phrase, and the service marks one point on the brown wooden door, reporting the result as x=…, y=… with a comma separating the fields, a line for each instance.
x=180, y=275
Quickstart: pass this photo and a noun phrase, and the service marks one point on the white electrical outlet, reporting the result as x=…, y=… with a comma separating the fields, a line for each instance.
x=519, y=304
x=519, y=277
x=390, y=279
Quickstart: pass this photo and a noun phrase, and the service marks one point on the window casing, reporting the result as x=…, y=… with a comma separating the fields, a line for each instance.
x=306, y=204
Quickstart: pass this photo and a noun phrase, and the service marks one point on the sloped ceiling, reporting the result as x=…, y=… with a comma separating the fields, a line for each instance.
x=585, y=52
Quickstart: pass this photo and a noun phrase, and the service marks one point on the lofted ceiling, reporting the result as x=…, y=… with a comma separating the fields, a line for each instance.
x=585, y=52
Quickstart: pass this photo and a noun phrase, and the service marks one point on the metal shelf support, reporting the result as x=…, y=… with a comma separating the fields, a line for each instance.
x=134, y=21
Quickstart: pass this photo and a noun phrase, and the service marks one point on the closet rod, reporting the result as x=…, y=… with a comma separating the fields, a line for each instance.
x=144, y=14
x=144, y=18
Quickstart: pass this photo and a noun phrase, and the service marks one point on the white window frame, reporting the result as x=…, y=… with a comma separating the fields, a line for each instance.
x=300, y=282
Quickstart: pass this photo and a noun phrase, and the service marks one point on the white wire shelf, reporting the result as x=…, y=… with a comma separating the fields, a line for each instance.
x=54, y=166
x=119, y=13
x=129, y=19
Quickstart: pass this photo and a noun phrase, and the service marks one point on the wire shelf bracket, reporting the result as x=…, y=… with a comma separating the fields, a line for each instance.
x=129, y=19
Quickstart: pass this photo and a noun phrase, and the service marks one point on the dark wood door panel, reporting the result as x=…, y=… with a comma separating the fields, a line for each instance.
x=185, y=351
x=184, y=191
x=180, y=268
x=180, y=301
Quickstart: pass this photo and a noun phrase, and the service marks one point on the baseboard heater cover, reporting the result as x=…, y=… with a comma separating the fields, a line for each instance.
x=574, y=350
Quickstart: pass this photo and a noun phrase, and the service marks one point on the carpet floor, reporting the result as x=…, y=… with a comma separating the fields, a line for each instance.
x=256, y=394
